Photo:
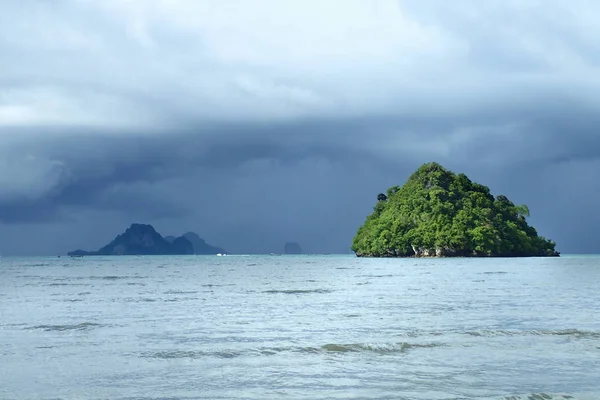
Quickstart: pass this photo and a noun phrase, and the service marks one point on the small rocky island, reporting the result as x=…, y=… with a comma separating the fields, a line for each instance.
x=200, y=246
x=142, y=239
x=292, y=248
x=437, y=213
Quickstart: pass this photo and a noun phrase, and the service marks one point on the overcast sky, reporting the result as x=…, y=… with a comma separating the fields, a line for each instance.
x=258, y=122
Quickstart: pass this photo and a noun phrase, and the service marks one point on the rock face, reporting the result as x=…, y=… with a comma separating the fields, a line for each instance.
x=292, y=248
x=141, y=239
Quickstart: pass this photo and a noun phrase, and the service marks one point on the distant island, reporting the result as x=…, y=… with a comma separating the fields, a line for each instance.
x=142, y=239
x=437, y=213
x=292, y=248
x=200, y=246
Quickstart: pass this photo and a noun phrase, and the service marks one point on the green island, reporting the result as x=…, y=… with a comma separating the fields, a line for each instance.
x=438, y=213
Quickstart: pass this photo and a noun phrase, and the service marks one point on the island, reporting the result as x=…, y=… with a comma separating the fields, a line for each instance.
x=200, y=246
x=142, y=239
x=292, y=248
x=437, y=213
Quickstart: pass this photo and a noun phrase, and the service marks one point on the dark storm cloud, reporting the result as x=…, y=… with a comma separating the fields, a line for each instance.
x=88, y=169
x=95, y=169
x=162, y=112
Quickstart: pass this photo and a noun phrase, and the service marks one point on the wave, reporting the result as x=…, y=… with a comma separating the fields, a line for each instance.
x=487, y=333
x=542, y=396
x=178, y=299
x=384, y=348
x=580, y=334
x=378, y=348
x=84, y=326
x=140, y=300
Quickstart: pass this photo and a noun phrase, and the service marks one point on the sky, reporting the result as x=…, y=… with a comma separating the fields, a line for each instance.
x=255, y=123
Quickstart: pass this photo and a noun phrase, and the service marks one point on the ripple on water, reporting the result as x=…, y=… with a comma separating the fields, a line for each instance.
x=211, y=285
x=488, y=333
x=576, y=333
x=179, y=354
x=541, y=396
x=298, y=291
x=116, y=277
x=67, y=284
x=181, y=292
x=139, y=300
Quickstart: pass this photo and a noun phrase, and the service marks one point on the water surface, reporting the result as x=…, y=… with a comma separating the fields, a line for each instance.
x=298, y=327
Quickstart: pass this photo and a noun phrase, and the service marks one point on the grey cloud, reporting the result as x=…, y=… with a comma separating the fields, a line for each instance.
x=94, y=166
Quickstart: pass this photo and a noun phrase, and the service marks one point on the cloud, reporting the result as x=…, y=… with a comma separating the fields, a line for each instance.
x=149, y=64
x=184, y=110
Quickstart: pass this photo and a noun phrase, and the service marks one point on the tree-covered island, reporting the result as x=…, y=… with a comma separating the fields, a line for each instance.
x=437, y=213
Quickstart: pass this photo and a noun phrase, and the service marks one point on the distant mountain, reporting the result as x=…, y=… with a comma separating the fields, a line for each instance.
x=200, y=245
x=140, y=239
x=292, y=248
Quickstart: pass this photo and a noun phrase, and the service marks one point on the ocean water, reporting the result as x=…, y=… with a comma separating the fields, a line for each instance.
x=299, y=327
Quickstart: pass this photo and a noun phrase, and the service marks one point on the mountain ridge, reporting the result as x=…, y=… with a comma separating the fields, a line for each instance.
x=143, y=239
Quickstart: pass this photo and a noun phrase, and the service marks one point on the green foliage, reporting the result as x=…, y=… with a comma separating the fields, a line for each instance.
x=438, y=213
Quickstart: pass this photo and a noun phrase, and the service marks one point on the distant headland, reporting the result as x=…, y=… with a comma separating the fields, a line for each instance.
x=437, y=213
x=142, y=239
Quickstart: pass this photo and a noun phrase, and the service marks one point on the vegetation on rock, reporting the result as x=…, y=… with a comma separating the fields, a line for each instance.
x=437, y=213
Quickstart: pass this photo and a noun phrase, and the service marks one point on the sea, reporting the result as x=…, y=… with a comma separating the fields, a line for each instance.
x=299, y=327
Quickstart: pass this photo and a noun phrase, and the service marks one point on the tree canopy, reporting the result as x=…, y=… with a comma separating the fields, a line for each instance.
x=439, y=213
